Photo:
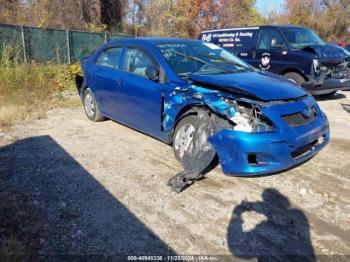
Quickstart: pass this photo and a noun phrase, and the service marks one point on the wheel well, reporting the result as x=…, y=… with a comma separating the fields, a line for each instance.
x=80, y=83
x=189, y=110
x=186, y=111
x=294, y=70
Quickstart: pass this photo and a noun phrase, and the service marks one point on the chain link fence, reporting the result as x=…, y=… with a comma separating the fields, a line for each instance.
x=50, y=45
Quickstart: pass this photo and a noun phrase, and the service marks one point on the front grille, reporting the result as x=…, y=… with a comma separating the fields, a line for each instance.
x=300, y=118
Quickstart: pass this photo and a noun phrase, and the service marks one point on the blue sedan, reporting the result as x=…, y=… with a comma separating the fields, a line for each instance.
x=206, y=102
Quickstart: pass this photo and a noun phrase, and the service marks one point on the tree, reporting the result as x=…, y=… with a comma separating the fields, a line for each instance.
x=186, y=18
x=73, y=14
x=329, y=18
x=238, y=13
x=10, y=11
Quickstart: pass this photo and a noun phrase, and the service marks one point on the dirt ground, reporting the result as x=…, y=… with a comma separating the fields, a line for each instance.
x=100, y=188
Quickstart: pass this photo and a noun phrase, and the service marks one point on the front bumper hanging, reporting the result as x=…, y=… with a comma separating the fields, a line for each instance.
x=329, y=81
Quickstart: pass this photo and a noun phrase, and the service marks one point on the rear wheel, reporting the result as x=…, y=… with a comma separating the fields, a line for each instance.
x=295, y=78
x=91, y=108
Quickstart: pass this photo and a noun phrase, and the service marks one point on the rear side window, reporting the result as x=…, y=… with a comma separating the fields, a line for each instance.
x=110, y=57
x=270, y=38
x=138, y=61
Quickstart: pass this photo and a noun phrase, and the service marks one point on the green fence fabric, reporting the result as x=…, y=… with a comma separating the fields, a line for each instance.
x=50, y=45
x=83, y=44
x=11, y=40
x=46, y=45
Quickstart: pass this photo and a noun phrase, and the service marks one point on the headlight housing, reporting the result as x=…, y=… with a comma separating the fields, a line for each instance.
x=248, y=118
x=318, y=66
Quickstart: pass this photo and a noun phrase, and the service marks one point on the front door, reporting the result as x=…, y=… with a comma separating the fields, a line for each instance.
x=270, y=51
x=141, y=98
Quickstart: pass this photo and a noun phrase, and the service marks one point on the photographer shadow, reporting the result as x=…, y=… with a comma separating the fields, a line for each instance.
x=283, y=236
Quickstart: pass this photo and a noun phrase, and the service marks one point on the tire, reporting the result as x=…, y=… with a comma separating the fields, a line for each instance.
x=91, y=108
x=295, y=78
x=188, y=125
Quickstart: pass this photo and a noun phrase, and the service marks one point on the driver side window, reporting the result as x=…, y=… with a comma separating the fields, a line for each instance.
x=137, y=62
x=270, y=38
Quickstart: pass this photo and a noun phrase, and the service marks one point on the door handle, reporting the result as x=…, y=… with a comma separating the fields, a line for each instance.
x=253, y=54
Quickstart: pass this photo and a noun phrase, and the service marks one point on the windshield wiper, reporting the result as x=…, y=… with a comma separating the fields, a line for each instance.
x=224, y=59
x=205, y=63
x=191, y=57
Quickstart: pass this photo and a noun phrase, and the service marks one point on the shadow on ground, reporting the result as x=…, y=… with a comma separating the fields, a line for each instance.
x=50, y=205
x=283, y=234
x=336, y=96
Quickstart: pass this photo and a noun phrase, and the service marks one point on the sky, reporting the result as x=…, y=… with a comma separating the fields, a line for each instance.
x=265, y=6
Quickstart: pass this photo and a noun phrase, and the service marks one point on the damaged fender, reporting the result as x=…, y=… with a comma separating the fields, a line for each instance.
x=214, y=113
x=193, y=96
x=200, y=153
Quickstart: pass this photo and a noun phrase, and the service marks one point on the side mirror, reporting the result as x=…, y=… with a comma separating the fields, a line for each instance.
x=152, y=73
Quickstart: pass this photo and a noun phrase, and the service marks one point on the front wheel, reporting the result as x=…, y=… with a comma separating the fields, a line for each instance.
x=191, y=142
x=91, y=108
x=183, y=136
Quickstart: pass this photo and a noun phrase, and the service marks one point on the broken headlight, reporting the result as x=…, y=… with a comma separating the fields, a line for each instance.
x=318, y=66
x=248, y=118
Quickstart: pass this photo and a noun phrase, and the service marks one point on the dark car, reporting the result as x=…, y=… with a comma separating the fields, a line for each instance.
x=347, y=47
x=343, y=45
x=296, y=53
x=204, y=101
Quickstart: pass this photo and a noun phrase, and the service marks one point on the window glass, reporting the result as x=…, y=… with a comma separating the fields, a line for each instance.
x=200, y=58
x=137, y=62
x=110, y=57
x=270, y=38
x=301, y=37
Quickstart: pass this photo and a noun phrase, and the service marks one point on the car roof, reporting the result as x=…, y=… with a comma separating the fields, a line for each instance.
x=250, y=27
x=151, y=40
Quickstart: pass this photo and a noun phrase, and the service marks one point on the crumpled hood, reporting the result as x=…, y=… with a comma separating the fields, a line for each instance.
x=264, y=86
x=327, y=52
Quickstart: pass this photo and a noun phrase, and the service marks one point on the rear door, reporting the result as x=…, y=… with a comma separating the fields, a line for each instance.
x=106, y=80
x=271, y=51
x=141, y=98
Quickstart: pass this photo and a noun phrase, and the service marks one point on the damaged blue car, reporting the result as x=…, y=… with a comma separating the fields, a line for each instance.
x=206, y=102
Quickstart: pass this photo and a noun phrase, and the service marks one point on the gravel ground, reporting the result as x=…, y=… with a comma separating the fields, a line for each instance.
x=71, y=186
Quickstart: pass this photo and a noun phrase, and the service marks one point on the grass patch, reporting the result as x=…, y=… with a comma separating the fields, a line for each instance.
x=27, y=91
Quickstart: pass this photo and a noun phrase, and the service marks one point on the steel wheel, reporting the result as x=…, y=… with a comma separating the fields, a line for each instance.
x=91, y=107
x=184, y=138
x=89, y=104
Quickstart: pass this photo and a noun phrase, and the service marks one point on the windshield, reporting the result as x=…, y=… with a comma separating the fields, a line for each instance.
x=301, y=37
x=198, y=58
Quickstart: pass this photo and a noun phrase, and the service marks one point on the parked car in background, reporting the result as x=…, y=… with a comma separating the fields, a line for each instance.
x=296, y=53
x=343, y=45
x=204, y=101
